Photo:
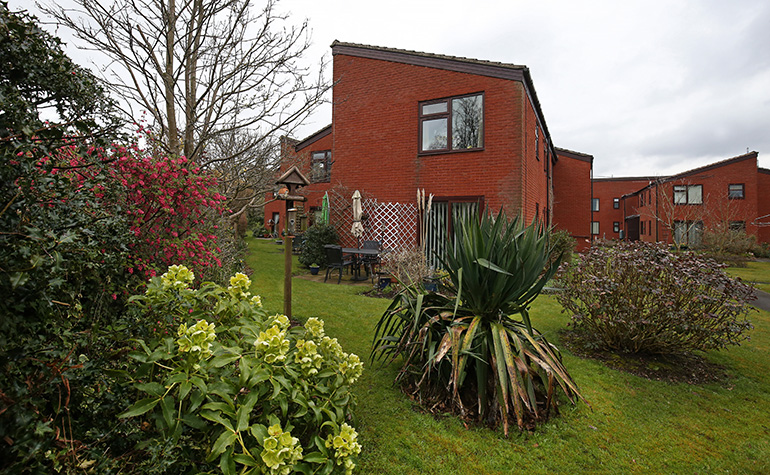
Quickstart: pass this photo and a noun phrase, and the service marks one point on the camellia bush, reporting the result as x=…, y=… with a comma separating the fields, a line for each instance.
x=473, y=350
x=237, y=389
x=169, y=204
x=644, y=298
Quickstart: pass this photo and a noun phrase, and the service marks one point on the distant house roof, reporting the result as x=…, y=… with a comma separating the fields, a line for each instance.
x=694, y=171
x=629, y=178
x=478, y=67
x=576, y=155
x=721, y=163
x=318, y=135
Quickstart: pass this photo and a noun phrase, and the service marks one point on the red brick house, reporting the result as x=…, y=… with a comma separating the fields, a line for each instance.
x=313, y=157
x=473, y=134
x=572, y=195
x=608, y=205
x=470, y=132
x=730, y=194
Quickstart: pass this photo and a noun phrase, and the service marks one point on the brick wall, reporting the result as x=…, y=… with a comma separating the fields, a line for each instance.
x=716, y=208
x=290, y=156
x=572, y=195
x=606, y=190
x=376, y=133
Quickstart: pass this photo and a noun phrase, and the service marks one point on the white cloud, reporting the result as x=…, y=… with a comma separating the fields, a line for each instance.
x=646, y=86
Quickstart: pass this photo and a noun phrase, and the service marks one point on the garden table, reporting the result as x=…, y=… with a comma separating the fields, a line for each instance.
x=357, y=252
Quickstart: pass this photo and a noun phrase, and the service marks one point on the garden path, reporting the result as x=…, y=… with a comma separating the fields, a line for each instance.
x=762, y=301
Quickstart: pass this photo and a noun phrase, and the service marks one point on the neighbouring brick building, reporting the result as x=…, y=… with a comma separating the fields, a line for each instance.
x=572, y=195
x=470, y=132
x=730, y=194
x=473, y=134
x=607, y=205
x=312, y=156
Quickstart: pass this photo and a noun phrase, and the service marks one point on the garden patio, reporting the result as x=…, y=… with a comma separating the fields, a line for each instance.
x=634, y=425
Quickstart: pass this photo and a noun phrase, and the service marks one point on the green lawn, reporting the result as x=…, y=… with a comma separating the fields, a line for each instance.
x=634, y=425
x=757, y=273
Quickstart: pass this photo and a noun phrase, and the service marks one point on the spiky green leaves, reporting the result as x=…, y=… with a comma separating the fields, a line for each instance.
x=497, y=267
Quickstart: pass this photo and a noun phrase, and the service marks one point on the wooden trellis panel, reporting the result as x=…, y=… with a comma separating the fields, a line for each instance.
x=394, y=224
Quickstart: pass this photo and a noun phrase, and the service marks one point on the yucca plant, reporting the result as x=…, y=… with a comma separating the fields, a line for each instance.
x=477, y=353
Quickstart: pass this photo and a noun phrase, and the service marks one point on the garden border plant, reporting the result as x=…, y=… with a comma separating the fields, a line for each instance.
x=635, y=297
x=468, y=353
x=237, y=388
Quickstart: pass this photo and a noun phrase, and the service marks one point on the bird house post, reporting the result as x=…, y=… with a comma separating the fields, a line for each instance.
x=289, y=183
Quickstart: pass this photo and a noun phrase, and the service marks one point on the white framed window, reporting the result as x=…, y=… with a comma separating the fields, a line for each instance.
x=321, y=167
x=688, y=194
x=735, y=191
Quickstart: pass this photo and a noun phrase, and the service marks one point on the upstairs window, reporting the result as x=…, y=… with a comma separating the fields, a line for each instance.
x=454, y=123
x=321, y=167
x=594, y=204
x=735, y=191
x=688, y=194
x=616, y=203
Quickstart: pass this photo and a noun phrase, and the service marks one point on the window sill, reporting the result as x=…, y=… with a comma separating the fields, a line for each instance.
x=445, y=152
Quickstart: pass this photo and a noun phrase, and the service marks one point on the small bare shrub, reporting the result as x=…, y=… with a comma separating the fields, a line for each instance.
x=643, y=298
x=732, y=247
x=408, y=265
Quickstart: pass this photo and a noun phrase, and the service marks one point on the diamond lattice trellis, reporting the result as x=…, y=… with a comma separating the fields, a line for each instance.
x=393, y=224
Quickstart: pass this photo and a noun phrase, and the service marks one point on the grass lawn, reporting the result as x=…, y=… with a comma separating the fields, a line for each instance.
x=634, y=425
x=756, y=273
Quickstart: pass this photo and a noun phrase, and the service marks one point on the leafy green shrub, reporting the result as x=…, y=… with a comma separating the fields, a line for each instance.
x=237, y=388
x=316, y=237
x=761, y=250
x=469, y=353
x=562, y=244
x=63, y=255
x=643, y=298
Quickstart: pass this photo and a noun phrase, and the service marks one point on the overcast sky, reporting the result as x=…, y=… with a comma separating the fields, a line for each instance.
x=647, y=87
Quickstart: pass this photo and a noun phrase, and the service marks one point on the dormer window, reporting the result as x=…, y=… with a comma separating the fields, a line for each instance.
x=321, y=167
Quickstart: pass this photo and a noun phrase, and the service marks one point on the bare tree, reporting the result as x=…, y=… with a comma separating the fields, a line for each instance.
x=680, y=208
x=202, y=69
x=244, y=178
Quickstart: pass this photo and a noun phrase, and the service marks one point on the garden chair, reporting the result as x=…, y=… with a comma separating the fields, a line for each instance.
x=372, y=262
x=335, y=260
